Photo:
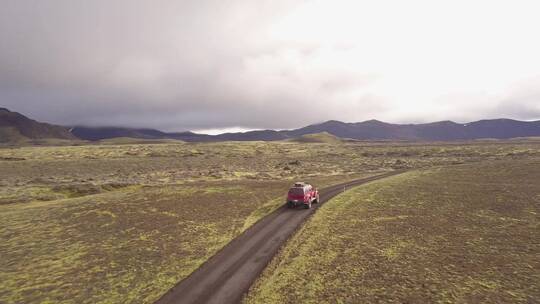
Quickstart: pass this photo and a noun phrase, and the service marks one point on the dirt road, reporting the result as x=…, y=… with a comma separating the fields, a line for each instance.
x=227, y=276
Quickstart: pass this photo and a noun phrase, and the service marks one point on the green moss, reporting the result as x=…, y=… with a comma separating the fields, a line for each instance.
x=447, y=235
x=122, y=222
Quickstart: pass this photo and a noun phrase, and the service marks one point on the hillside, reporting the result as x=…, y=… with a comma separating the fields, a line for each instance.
x=15, y=127
x=323, y=137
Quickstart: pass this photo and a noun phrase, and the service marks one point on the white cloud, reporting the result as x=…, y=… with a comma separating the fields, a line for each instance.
x=180, y=65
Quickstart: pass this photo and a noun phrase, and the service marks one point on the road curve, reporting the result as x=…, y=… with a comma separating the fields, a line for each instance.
x=227, y=276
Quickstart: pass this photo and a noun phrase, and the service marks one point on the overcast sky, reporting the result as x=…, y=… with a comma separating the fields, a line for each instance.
x=247, y=64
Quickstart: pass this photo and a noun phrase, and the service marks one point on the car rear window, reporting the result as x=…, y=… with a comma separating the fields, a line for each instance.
x=296, y=191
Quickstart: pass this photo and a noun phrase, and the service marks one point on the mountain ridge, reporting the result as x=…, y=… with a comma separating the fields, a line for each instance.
x=15, y=126
x=500, y=128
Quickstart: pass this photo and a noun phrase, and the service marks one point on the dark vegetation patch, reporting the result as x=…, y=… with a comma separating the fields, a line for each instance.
x=119, y=246
x=83, y=189
x=10, y=158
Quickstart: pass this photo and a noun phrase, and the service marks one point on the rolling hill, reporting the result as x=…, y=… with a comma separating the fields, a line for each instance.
x=323, y=137
x=367, y=130
x=436, y=131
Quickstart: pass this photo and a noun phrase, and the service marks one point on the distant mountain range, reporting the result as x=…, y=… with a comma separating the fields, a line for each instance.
x=15, y=126
x=367, y=130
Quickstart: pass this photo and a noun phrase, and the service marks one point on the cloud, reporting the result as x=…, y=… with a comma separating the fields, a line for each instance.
x=522, y=101
x=178, y=65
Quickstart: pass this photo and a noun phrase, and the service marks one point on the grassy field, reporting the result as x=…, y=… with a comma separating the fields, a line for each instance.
x=465, y=234
x=121, y=223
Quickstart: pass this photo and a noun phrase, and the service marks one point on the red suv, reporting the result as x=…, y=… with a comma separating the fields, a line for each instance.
x=302, y=194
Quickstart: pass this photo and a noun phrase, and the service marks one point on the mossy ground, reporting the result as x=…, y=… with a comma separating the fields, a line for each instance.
x=121, y=246
x=466, y=234
x=123, y=223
